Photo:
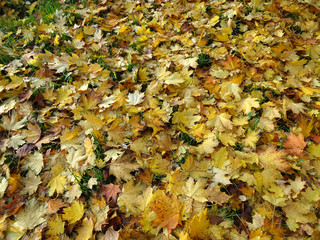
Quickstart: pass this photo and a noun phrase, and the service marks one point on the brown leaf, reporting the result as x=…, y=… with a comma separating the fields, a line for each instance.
x=111, y=191
x=14, y=206
x=216, y=196
x=54, y=205
x=33, y=133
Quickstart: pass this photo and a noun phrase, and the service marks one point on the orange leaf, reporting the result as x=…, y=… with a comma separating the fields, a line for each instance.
x=168, y=210
x=295, y=144
x=231, y=62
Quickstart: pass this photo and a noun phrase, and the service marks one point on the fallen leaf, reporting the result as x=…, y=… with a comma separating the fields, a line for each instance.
x=295, y=144
x=168, y=210
x=73, y=213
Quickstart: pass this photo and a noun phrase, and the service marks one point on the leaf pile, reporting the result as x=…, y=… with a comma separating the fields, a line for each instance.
x=159, y=119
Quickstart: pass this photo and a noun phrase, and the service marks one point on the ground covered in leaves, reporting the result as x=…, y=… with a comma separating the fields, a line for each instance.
x=160, y=119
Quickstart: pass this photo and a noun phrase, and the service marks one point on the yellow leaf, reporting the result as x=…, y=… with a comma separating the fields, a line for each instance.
x=73, y=213
x=247, y=104
x=220, y=158
x=227, y=139
x=128, y=197
x=56, y=40
x=306, y=124
x=16, y=81
x=123, y=29
x=32, y=6
x=176, y=182
x=221, y=122
x=55, y=225
x=311, y=195
x=198, y=226
x=271, y=158
x=85, y=231
x=299, y=212
x=207, y=146
x=57, y=184
x=186, y=117
x=31, y=215
x=88, y=30
x=196, y=190
x=213, y=21
x=251, y=138
x=139, y=146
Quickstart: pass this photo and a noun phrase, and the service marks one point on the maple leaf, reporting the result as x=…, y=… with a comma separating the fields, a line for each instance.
x=198, y=226
x=298, y=212
x=271, y=158
x=33, y=133
x=107, y=101
x=31, y=183
x=34, y=162
x=122, y=167
x=13, y=123
x=75, y=157
x=251, y=138
x=257, y=221
x=101, y=214
x=186, y=117
x=189, y=62
x=55, y=225
x=135, y=98
x=85, y=231
x=196, y=190
x=207, y=146
x=174, y=79
x=32, y=215
x=73, y=213
x=59, y=64
x=57, y=184
x=111, y=234
x=216, y=196
x=118, y=132
x=54, y=205
x=231, y=62
x=92, y=121
x=16, y=141
x=168, y=210
x=111, y=191
x=296, y=108
x=219, y=177
x=295, y=144
x=221, y=122
x=134, y=197
x=230, y=89
x=139, y=146
x=247, y=104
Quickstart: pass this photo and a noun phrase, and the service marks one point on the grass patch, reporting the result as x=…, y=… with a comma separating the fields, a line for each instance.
x=188, y=139
x=204, y=60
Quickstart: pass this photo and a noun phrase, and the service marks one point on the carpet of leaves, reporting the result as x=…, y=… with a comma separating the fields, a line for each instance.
x=160, y=119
